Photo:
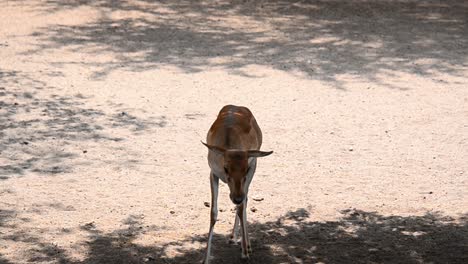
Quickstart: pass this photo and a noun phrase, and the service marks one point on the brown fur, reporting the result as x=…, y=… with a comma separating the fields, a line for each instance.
x=234, y=142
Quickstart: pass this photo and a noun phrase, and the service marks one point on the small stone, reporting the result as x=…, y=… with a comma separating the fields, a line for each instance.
x=351, y=149
x=25, y=143
x=258, y=199
x=207, y=204
x=70, y=208
x=148, y=259
x=172, y=212
x=85, y=151
x=89, y=226
x=128, y=234
x=253, y=209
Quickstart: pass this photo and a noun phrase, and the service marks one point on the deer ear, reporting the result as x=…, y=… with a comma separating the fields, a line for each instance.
x=215, y=149
x=258, y=153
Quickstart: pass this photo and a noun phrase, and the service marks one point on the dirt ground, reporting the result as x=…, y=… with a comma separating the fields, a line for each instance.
x=103, y=105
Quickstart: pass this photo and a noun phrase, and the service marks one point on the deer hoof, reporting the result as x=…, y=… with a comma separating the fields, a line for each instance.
x=233, y=241
x=249, y=249
x=245, y=256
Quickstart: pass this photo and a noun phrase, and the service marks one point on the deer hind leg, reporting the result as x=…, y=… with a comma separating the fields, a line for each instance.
x=214, y=184
x=235, y=230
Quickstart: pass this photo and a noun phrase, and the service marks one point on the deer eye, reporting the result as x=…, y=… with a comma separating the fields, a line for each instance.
x=225, y=170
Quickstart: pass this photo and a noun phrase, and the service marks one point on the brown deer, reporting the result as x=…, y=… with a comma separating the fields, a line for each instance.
x=234, y=142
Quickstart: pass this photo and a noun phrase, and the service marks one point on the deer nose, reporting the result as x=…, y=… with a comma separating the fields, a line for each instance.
x=238, y=200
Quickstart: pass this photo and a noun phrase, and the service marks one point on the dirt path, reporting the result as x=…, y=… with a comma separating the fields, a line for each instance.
x=103, y=106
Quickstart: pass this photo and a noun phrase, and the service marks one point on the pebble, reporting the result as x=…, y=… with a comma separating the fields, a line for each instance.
x=148, y=259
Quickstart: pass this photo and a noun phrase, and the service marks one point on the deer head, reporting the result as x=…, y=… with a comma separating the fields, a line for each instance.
x=236, y=168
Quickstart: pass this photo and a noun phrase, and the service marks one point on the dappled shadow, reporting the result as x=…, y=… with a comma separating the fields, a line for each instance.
x=5, y=217
x=359, y=237
x=4, y=261
x=11, y=234
x=316, y=39
x=38, y=133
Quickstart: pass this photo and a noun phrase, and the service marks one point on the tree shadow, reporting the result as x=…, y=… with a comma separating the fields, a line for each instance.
x=315, y=39
x=39, y=133
x=5, y=217
x=359, y=237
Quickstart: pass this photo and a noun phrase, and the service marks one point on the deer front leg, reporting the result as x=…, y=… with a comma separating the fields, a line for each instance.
x=241, y=213
x=249, y=248
x=249, y=177
x=214, y=184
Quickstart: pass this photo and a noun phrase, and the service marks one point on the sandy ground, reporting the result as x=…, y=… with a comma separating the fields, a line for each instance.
x=103, y=105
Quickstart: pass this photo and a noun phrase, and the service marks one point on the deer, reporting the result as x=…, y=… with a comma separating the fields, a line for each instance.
x=233, y=143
